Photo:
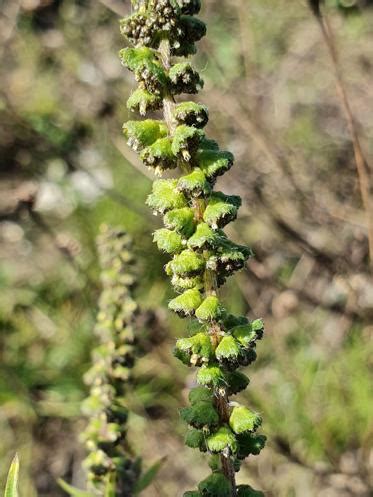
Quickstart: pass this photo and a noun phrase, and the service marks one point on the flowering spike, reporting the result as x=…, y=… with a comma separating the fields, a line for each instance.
x=110, y=373
x=194, y=215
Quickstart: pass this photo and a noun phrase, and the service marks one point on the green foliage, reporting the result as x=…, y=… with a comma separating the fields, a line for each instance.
x=216, y=485
x=200, y=415
x=247, y=491
x=203, y=238
x=147, y=478
x=74, y=492
x=211, y=376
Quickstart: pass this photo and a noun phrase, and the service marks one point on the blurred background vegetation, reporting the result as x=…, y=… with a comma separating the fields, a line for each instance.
x=65, y=169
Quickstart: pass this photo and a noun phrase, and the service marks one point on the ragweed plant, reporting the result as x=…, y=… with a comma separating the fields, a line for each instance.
x=163, y=34
x=111, y=465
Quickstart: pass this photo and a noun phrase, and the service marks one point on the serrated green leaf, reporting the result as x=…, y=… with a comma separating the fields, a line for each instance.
x=216, y=485
x=11, y=487
x=200, y=414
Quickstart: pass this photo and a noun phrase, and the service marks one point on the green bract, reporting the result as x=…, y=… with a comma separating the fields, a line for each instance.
x=194, y=215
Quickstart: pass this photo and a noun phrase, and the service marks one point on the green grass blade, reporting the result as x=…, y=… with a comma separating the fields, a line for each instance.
x=11, y=487
x=149, y=476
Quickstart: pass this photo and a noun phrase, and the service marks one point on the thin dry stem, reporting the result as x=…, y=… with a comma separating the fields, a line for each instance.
x=362, y=167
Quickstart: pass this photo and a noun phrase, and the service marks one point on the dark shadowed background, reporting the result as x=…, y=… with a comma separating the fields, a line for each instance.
x=65, y=168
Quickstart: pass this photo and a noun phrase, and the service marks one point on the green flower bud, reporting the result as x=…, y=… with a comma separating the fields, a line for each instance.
x=194, y=184
x=181, y=283
x=165, y=196
x=242, y=420
x=187, y=263
x=214, y=163
x=186, y=303
x=181, y=220
x=168, y=241
x=211, y=376
x=227, y=351
x=159, y=155
x=209, y=310
x=190, y=7
x=142, y=101
x=198, y=348
x=222, y=440
x=140, y=134
x=186, y=140
x=191, y=114
x=184, y=79
x=203, y=238
x=221, y=210
x=237, y=382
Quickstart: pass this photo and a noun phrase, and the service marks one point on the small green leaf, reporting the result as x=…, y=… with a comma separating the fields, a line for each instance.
x=74, y=492
x=237, y=382
x=224, y=438
x=11, y=487
x=195, y=439
x=247, y=491
x=249, y=444
x=242, y=420
x=148, y=477
x=200, y=394
x=200, y=415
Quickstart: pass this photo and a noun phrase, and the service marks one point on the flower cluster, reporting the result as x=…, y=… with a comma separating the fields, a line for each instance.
x=194, y=216
x=109, y=463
